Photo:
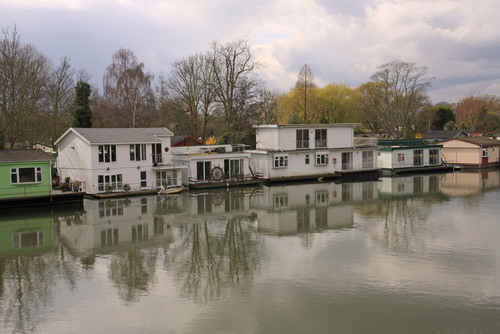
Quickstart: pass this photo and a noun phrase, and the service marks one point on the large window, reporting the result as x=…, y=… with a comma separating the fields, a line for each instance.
x=346, y=160
x=320, y=137
x=166, y=178
x=26, y=175
x=107, y=153
x=137, y=152
x=321, y=159
x=433, y=156
x=367, y=159
x=203, y=170
x=233, y=167
x=280, y=161
x=302, y=138
x=418, y=157
x=111, y=182
x=485, y=152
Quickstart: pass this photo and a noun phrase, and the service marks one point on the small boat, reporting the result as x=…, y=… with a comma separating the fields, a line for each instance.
x=170, y=190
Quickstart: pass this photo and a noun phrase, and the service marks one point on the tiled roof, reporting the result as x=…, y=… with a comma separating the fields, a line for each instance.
x=24, y=155
x=122, y=135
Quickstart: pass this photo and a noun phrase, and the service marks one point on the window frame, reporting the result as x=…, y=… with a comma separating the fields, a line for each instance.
x=37, y=175
x=106, y=153
x=321, y=159
x=280, y=161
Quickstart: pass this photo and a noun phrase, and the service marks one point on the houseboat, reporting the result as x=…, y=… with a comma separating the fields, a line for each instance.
x=312, y=151
x=409, y=156
x=209, y=166
x=472, y=152
x=118, y=160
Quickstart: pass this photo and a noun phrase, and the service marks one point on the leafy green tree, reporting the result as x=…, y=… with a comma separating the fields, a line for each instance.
x=444, y=115
x=82, y=115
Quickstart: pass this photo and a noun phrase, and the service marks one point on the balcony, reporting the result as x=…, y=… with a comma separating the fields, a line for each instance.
x=302, y=143
x=320, y=143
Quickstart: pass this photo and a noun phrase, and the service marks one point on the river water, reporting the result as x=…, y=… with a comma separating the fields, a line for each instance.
x=413, y=254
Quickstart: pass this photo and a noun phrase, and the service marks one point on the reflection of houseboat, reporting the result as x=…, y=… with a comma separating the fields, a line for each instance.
x=470, y=182
x=109, y=224
x=410, y=185
x=215, y=166
x=296, y=208
x=409, y=156
x=309, y=151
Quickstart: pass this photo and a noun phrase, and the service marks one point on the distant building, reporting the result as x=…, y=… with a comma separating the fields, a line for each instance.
x=476, y=152
x=440, y=135
x=410, y=155
x=185, y=141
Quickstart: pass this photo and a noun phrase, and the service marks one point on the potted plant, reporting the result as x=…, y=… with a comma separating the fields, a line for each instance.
x=109, y=189
x=126, y=187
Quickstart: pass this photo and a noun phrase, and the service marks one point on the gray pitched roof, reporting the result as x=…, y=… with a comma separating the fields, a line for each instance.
x=24, y=155
x=443, y=134
x=122, y=135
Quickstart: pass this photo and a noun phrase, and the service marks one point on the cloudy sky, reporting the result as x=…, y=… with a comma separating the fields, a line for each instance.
x=342, y=41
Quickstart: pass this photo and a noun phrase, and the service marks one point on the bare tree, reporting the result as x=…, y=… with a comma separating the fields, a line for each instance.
x=24, y=72
x=234, y=69
x=128, y=87
x=401, y=97
x=305, y=89
x=60, y=93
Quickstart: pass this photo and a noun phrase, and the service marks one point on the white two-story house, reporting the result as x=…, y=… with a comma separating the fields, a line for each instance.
x=106, y=159
x=307, y=151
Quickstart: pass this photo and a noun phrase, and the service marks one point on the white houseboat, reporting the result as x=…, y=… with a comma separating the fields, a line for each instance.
x=211, y=166
x=118, y=159
x=309, y=151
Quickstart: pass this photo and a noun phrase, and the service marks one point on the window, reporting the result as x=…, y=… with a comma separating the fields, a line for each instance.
x=433, y=156
x=203, y=170
x=322, y=197
x=367, y=190
x=320, y=137
x=401, y=157
x=156, y=151
x=485, y=152
x=144, y=180
x=307, y=159
x=114, y=182
x=367, y=159
x=109, y=237
x=346, y=160
x=280, y=161
x=139, y=233
x=107, y=153
x=321, y=159
x=418, y=185
x=233, y=167
x=302, y=138
x=137, y=152
x=166, y=178
x=418, y=157
x=111, y=208
x=280, y=201
x=303, y=219
x=26, y=175
x=27, y=239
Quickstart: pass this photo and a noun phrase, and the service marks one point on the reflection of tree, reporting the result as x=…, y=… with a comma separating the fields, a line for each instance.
x=209, y=261
x=133, y=272
x=403, y=219
x=28, y=285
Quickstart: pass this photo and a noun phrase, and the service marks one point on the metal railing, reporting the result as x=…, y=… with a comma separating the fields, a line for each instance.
x=302, y=143
x=320, y=143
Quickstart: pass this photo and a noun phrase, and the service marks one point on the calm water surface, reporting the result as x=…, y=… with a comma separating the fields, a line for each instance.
x=414, y=254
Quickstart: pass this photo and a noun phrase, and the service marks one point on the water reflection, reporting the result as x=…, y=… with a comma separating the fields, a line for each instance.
x=212, y=244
